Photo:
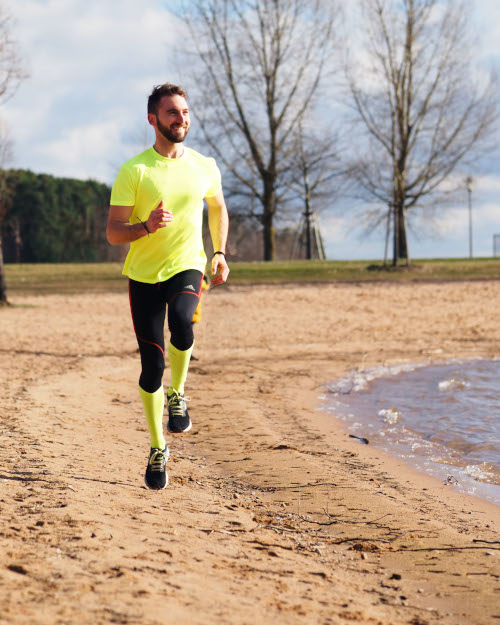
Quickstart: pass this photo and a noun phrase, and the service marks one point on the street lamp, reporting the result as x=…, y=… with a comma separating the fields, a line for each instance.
x=468, y=184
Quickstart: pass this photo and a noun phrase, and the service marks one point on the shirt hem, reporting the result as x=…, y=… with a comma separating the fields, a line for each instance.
x=161, y=277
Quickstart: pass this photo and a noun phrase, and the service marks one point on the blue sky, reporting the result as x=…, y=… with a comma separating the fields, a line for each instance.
x=81, y=112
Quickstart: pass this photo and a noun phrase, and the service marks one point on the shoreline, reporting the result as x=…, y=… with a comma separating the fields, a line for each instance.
x=369, y=428
x=399, y=466
x=273, y=514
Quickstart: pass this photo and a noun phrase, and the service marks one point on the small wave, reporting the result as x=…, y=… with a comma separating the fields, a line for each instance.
x=482, y=473
x=390, y=415
x=359, y=379
x=452, y=383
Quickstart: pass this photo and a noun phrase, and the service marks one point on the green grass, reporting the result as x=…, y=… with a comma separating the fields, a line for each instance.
x=364, y=271
x=64, y=278
x=99, y=277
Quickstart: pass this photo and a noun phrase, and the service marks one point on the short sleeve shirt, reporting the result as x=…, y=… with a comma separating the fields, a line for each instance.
x=182, y=183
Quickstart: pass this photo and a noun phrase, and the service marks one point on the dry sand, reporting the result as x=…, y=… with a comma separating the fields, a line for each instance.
x=273, y=514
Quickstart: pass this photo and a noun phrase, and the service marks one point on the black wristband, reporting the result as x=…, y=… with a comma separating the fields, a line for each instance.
x=145, y=227
x=215, y=254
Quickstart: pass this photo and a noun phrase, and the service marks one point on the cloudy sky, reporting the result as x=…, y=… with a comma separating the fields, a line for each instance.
x=81, y=112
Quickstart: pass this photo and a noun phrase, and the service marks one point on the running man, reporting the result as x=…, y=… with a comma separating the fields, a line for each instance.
x=157, y=207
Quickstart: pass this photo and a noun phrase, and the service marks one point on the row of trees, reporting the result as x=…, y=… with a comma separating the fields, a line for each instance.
x=419, y=110
x=48, y=219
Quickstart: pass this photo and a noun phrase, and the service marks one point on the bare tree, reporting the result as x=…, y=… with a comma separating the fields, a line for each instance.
x=262, y=63
x=11, y=74
x=315, y=179
x=424, y=106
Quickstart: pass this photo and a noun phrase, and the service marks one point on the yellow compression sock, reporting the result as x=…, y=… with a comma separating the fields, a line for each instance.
x=153, y=409
x=179, y=365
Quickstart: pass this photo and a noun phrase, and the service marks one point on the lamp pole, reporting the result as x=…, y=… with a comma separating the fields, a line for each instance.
x=468, y=183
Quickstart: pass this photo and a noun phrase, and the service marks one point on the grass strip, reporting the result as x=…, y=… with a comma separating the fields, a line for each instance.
x=98, y=277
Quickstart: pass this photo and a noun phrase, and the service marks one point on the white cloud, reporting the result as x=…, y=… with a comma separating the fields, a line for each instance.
x=92, y=65
x=73, y=152
x=486, y=20
x=488, y=183
x=451, y=221
x=490, y=213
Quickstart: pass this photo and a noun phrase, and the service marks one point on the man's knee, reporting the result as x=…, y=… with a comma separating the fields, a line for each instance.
x=151, y=378
x=180, y=320
x=182, y=337
x=153, y=366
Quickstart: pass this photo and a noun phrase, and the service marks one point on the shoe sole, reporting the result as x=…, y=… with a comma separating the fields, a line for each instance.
x=179, y=431
x=162, y=488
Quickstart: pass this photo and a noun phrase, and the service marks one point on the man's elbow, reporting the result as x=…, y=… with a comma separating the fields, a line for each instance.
x=111, y=236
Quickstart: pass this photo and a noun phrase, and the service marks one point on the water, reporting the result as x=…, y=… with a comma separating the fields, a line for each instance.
x=443, y=419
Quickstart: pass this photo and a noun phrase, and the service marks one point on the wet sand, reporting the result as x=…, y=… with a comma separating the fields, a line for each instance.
x=273, y=514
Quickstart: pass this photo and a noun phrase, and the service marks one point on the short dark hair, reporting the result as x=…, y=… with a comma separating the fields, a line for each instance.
x=160, y=91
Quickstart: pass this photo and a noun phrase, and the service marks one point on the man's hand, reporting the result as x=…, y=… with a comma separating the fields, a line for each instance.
x=159, y=218
x=220, y=270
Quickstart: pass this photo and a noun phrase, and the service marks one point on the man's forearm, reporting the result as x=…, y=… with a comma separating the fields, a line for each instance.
x=218, y=223
x=119, y=232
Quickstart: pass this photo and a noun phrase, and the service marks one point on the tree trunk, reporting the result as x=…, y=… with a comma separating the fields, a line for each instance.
x=403, y=241
x=3, y=286
x=268, y=220
x=269, y=237
x=17, y=240
x=387, y=233
x=400, y=248
x=307, y=197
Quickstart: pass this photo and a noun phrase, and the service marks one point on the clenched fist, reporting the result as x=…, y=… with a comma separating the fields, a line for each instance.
x=159, y=217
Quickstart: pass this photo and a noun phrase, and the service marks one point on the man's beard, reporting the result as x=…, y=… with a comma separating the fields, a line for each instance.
x=169, y=134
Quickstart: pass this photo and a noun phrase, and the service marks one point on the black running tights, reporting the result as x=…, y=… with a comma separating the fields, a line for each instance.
x=148, y=305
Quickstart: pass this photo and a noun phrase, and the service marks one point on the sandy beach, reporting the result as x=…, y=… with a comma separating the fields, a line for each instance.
x=273, y=515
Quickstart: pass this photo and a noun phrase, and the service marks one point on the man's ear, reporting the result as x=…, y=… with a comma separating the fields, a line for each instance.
x=152, y=119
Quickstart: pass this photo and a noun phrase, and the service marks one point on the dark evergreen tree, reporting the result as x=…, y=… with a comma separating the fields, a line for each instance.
x=54, y=219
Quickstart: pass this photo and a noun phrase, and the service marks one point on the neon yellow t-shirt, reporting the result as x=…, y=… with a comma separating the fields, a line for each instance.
x=181, y=183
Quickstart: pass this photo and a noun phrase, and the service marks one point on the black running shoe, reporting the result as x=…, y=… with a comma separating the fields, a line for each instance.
x=156, y=476
x=178, y=417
